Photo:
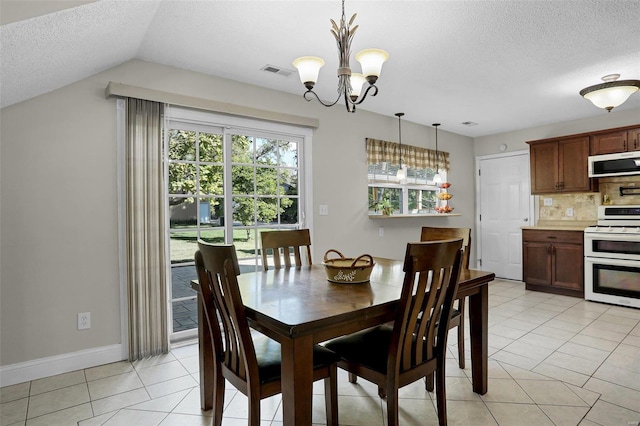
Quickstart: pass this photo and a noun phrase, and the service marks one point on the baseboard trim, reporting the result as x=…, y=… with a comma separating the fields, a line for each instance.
x=59, y=364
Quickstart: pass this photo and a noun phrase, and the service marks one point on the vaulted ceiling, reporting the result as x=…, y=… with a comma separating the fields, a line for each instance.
x=504, y=65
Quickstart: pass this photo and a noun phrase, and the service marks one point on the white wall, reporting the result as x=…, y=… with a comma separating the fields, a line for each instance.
x=58, y=240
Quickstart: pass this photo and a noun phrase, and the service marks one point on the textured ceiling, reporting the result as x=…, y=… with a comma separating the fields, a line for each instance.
x=505, y=65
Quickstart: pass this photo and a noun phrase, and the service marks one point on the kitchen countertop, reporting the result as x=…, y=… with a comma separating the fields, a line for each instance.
x=560, y=225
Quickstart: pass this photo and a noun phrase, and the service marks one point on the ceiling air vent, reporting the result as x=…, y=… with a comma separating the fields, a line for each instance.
x=277, y=70
x=469, y=123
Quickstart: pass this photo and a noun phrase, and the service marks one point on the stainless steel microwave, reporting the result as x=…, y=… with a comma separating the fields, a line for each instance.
x=619, y=164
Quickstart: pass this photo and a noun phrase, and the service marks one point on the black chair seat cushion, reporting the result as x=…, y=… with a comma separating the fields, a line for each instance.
x=368, y=347
x=269, y=359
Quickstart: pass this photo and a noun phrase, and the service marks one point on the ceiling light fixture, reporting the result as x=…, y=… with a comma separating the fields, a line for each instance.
x=611, y=93
x=402, y=171
x=349, y=84
x=437, y=179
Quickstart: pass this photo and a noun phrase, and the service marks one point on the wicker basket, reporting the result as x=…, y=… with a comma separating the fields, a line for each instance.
x=346, y=270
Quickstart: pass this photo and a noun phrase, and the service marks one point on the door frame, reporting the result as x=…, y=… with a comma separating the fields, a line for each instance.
x=478, y=222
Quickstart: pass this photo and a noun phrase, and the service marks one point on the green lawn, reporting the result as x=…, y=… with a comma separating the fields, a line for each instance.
x=184, y=242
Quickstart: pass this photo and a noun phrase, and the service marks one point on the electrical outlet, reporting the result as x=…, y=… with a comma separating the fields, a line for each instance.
x=548, y=202
x=569, y=212
x=381, y=231
x=84, y=320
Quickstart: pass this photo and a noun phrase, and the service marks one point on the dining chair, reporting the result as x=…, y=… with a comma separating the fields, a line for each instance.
x=414, y=345
x=282, y=243
x=251, y=362
x=457, y=316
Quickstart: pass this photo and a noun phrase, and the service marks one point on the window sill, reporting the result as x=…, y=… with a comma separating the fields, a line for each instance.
x=402, y=216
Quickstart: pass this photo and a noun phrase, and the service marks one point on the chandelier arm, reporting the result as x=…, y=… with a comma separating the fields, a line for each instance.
x=318, y=98
x=364, y=95
x=351, y=106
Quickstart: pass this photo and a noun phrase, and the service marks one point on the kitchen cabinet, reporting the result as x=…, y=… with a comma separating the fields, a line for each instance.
x=553, y=261
x=560, y=165
x=621, y=140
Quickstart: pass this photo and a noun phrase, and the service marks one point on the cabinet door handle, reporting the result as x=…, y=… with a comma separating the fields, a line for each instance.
x=624, y=144
x=551, y=237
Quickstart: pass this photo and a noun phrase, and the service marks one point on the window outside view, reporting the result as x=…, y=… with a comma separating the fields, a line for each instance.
x=389, y=195
x=214, y=176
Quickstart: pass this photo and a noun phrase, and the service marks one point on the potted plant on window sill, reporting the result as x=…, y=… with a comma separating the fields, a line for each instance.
x=384, y=207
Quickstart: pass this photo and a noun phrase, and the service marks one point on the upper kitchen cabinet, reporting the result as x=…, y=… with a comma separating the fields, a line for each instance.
x=560, y=165
x=620, y=140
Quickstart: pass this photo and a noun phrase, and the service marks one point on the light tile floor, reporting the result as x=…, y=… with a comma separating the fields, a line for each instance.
x=554, y=360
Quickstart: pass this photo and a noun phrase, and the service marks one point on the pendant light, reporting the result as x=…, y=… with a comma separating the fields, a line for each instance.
x=402, y=171
x=437, y=179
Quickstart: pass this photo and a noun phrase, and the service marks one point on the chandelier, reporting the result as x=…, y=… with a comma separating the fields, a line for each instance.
x=349, y=84
x=611, y=93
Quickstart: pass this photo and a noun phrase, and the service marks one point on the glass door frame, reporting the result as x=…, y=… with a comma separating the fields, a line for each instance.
x=237, y=125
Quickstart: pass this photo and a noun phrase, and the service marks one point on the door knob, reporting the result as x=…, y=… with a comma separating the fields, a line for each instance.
x=526, y=219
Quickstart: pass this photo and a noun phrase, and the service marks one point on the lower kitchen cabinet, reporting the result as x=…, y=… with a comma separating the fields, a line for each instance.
x=553, y=261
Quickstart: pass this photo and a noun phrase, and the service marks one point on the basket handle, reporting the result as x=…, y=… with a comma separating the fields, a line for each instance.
x=368, y=256
x=326, y=257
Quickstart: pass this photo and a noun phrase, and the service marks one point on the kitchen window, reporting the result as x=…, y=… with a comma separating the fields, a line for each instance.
x=414, y=195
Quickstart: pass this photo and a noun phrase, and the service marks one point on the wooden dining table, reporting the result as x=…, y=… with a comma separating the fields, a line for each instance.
x=298, y=307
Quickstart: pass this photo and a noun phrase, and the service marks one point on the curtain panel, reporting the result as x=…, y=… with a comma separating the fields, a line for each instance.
x=145, y=237
x=414, y=157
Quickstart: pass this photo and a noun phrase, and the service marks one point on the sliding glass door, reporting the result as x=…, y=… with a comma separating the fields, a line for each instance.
x=224, y=185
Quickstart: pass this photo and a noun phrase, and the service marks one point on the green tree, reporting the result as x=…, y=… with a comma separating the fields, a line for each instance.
x=259, y=178
x=250, y=175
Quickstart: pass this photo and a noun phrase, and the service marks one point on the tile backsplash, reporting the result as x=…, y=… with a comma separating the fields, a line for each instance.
x=585, y=205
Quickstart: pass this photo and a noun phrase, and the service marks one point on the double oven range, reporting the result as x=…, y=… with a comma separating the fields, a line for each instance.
x=612, y=256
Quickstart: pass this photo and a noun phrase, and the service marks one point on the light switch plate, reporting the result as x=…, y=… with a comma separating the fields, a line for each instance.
x=324, y=210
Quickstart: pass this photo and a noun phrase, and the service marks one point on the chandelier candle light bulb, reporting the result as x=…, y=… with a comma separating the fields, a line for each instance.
x=308, y=69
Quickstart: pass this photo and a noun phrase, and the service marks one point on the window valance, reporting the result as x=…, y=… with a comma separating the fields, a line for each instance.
x=414, y=157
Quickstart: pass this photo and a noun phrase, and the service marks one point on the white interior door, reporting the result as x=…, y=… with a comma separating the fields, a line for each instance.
x=504, y=205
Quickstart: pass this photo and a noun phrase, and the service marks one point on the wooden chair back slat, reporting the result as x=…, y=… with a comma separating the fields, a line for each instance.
x=282, y=243
x=233, y=343
x=429, y=289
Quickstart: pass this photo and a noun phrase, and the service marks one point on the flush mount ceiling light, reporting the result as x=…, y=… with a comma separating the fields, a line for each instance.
x=402, y=170
x=349, y=84
x=611, y=93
